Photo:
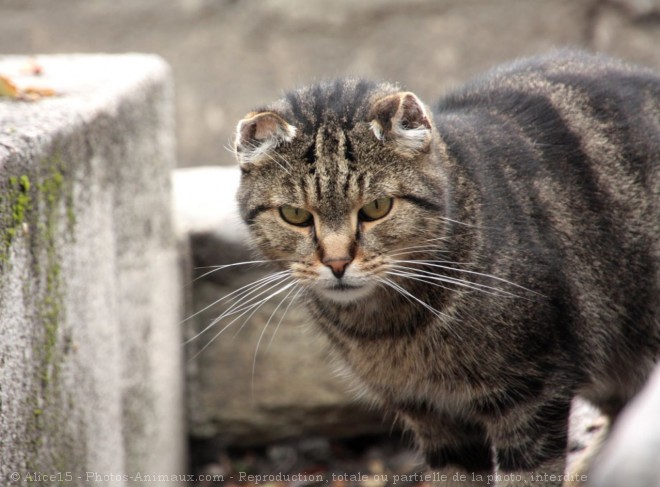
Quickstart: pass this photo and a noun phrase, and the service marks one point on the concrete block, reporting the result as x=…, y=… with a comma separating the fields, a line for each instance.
x=90, y=349
x=630, y=455
x=268, y=375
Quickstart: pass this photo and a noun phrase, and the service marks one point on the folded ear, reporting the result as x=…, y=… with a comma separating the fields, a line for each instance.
x=259, y=133
x=403, y=119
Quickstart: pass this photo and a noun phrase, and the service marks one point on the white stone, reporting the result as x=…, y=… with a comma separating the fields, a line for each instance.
x=630, y=456
x=204, y=200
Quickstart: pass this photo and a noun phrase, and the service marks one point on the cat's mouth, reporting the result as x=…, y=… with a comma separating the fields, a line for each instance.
x=344, y=292
x=343, y=286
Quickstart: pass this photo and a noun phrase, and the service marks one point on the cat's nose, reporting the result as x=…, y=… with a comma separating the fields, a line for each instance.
x=337, y=266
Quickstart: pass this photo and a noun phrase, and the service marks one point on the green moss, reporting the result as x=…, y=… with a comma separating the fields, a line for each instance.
x=22, y=202
x=15, y=205
x=37, y=215
x=53, y=227
x=50, y=190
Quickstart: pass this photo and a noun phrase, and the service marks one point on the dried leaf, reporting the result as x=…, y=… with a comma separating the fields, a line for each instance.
x=7, y=88
x=30, y=93
x=36, y=93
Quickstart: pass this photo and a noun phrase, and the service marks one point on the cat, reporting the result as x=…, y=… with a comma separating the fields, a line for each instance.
x=477, y=265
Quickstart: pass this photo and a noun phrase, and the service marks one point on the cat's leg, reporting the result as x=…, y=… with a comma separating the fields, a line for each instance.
x=531, y=445
x=457, y=450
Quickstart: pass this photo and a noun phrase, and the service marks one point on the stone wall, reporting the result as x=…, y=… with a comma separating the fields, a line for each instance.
x=90, y=350
x=229, y=56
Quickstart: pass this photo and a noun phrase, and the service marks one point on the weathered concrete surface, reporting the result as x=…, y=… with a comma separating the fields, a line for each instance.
x=267, y=376
x=230, y=56
x=630, y=457
x=90, y=347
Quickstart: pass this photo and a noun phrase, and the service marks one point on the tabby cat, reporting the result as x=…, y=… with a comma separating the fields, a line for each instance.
x=476, y=265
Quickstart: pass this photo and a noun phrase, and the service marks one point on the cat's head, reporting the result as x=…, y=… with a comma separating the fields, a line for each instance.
x=339, y=182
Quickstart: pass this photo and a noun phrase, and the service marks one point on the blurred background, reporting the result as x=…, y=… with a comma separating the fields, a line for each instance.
x=229, y=56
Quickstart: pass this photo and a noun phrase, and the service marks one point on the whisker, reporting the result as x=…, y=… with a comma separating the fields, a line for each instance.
x=434, y=275
x=215, y=268
x=229, y=148
x=240, y=263
x=416, y=277
x=427, y=241
x=471, y=225
x=404, y=292
x=260, y=303
x=450, y=280
x=286, y=310
x=432, y=263
x=279, y=160
x=257, y=305
x=381, y=282
x=423, y=261
x=420, y=248
x=261, y=335
x=242, y=291
x=443, y=238
x=426, y=246
x=282, y=162
x=252, y=309
x=239, y=294
x=237, y=307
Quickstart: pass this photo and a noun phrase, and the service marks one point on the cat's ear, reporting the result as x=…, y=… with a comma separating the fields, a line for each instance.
x=258, y=134
x=403, y=119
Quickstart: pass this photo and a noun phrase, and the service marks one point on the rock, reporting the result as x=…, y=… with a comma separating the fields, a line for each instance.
x=586, y=424
x=630, y=456
x=205, y=203
x=267, y=376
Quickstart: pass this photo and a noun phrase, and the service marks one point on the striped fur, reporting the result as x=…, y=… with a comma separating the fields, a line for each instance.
x=517, y=268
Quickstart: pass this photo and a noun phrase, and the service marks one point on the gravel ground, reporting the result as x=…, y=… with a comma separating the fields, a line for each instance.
x=373, y=461
x=368, y=461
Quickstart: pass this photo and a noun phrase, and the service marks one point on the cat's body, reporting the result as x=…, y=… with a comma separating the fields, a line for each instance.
x=478, y=267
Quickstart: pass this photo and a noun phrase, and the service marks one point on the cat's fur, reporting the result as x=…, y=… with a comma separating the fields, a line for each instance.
x=527, y=209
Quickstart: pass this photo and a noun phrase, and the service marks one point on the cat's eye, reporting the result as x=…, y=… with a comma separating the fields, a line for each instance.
x=375, y=210
x=296, y=216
